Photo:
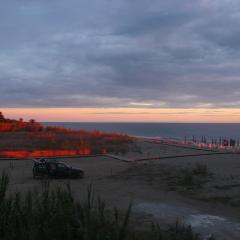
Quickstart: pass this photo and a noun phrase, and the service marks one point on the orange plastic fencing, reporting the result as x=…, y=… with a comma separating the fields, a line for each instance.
x=44, y=153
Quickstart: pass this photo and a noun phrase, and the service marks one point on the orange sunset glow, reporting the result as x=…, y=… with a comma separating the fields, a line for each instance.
x=221, y=115
x=120, y=120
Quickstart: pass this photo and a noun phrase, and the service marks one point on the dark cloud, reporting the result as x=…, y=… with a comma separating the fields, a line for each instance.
x=116, y=53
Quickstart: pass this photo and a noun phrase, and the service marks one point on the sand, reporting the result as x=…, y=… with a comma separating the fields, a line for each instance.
x=153, y=182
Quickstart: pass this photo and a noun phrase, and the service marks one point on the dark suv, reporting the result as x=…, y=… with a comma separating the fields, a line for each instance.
x=55, y=169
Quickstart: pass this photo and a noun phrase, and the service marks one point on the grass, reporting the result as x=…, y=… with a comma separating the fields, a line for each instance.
x=195, y=177
x=51, y=214
x=200, y=169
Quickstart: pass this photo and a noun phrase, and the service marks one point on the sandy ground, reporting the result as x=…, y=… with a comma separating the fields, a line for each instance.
x=149, y=150
x=216, y=192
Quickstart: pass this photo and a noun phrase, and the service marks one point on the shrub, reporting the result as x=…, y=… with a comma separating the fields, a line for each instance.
x=187, y=178
x=52, y=214
x=200, y=169
x=194, y=177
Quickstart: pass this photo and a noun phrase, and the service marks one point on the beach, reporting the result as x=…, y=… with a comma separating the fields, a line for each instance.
x=204, y=185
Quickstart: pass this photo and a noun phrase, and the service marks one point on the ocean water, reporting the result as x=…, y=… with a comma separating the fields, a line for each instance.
x=164, y=130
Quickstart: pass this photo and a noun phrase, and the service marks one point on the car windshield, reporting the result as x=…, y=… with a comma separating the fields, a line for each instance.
x=62, y=165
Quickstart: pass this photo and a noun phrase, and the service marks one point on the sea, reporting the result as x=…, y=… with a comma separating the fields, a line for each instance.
x=161, y=130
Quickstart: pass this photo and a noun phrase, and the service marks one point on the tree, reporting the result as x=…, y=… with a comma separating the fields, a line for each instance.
x=32, y=121
x=2, y=118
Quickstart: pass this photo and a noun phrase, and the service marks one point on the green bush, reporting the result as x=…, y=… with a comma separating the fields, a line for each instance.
x=200, y=169
x=195, y=177
x=53, y=214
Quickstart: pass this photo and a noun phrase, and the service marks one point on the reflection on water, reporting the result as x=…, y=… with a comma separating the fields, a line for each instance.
x=204, y=224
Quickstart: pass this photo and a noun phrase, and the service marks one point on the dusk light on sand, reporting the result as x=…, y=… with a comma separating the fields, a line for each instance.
x=120, y=120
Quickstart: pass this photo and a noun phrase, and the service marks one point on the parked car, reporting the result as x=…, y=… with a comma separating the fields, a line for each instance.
x=55, y=169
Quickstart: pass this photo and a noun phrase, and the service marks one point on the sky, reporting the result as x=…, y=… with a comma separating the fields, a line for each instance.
x=128, y=60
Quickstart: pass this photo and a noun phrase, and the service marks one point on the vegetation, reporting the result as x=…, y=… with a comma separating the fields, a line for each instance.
x=193, y=178
x=200, y=169
x=31, y=139
x=54, y=214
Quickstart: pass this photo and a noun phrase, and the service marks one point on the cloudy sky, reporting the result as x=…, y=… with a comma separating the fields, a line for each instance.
x=120, y=54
